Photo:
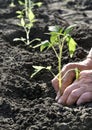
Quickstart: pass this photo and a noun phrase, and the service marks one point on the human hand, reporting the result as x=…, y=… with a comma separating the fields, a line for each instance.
x=69, y=78
x=80, y=91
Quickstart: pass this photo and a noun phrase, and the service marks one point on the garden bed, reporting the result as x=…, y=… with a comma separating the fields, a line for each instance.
x=29, y=104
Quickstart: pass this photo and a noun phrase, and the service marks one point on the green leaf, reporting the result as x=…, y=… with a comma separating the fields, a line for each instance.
x=19, y=16
x=16, y=39
x=69, y=29
x=48, y=67
x=39, y=4
x=23, y=39
x=37, y=69
x=54, y=28
x=29, y=25
x=22, y=22
x=71, y=45
x=31, y=15
x=12, y=4
x=18, y=12
x=44, y=44
x=20, y=2
x=19, y=39
x=54, y=38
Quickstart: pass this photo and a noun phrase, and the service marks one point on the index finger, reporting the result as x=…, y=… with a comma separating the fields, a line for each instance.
x=67, y=74
x=69, y=77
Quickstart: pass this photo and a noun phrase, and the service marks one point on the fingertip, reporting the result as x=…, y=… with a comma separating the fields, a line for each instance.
x=56, y=99
x=85, y=97
x=55, y=84
x=58, y=96
x=60, y=101
x=79, y=102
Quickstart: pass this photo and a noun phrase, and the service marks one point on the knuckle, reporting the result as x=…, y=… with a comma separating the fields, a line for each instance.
x=67, y=91
x=84, y=72
x=74, y=94
x=70, y=66
x=67, y=66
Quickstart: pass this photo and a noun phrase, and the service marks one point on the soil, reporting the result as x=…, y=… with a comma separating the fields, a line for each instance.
x=29, y=104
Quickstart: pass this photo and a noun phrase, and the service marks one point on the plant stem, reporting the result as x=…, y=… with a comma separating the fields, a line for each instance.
x=55, y=52
x=76, y=70
x=27, y=36
x=59, y=67
x=61, y=44
x=52, y=73
x=26, y=7
x=30, y=4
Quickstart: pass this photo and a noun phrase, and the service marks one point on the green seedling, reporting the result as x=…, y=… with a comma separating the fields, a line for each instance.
x=27, y=19
x=58, y=37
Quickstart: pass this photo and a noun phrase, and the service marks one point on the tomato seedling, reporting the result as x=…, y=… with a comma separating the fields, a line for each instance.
x=58, y=37
x=27, y=19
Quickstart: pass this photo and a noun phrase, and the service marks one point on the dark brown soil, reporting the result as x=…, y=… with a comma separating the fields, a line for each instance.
x=28, y=104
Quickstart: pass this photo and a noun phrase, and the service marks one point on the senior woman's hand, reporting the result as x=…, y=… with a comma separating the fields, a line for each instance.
x=73, y=90
x=80, y=91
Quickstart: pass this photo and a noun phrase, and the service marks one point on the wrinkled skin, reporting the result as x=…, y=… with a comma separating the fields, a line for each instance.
x=75, y=91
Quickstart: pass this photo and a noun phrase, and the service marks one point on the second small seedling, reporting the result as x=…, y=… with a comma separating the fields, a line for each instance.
x=27, y=19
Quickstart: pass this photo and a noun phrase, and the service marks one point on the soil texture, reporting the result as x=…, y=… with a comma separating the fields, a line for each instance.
x=29, y=104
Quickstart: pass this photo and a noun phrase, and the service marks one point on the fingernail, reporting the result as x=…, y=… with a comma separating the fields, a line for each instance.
x=57, y=97
x=60, y=100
